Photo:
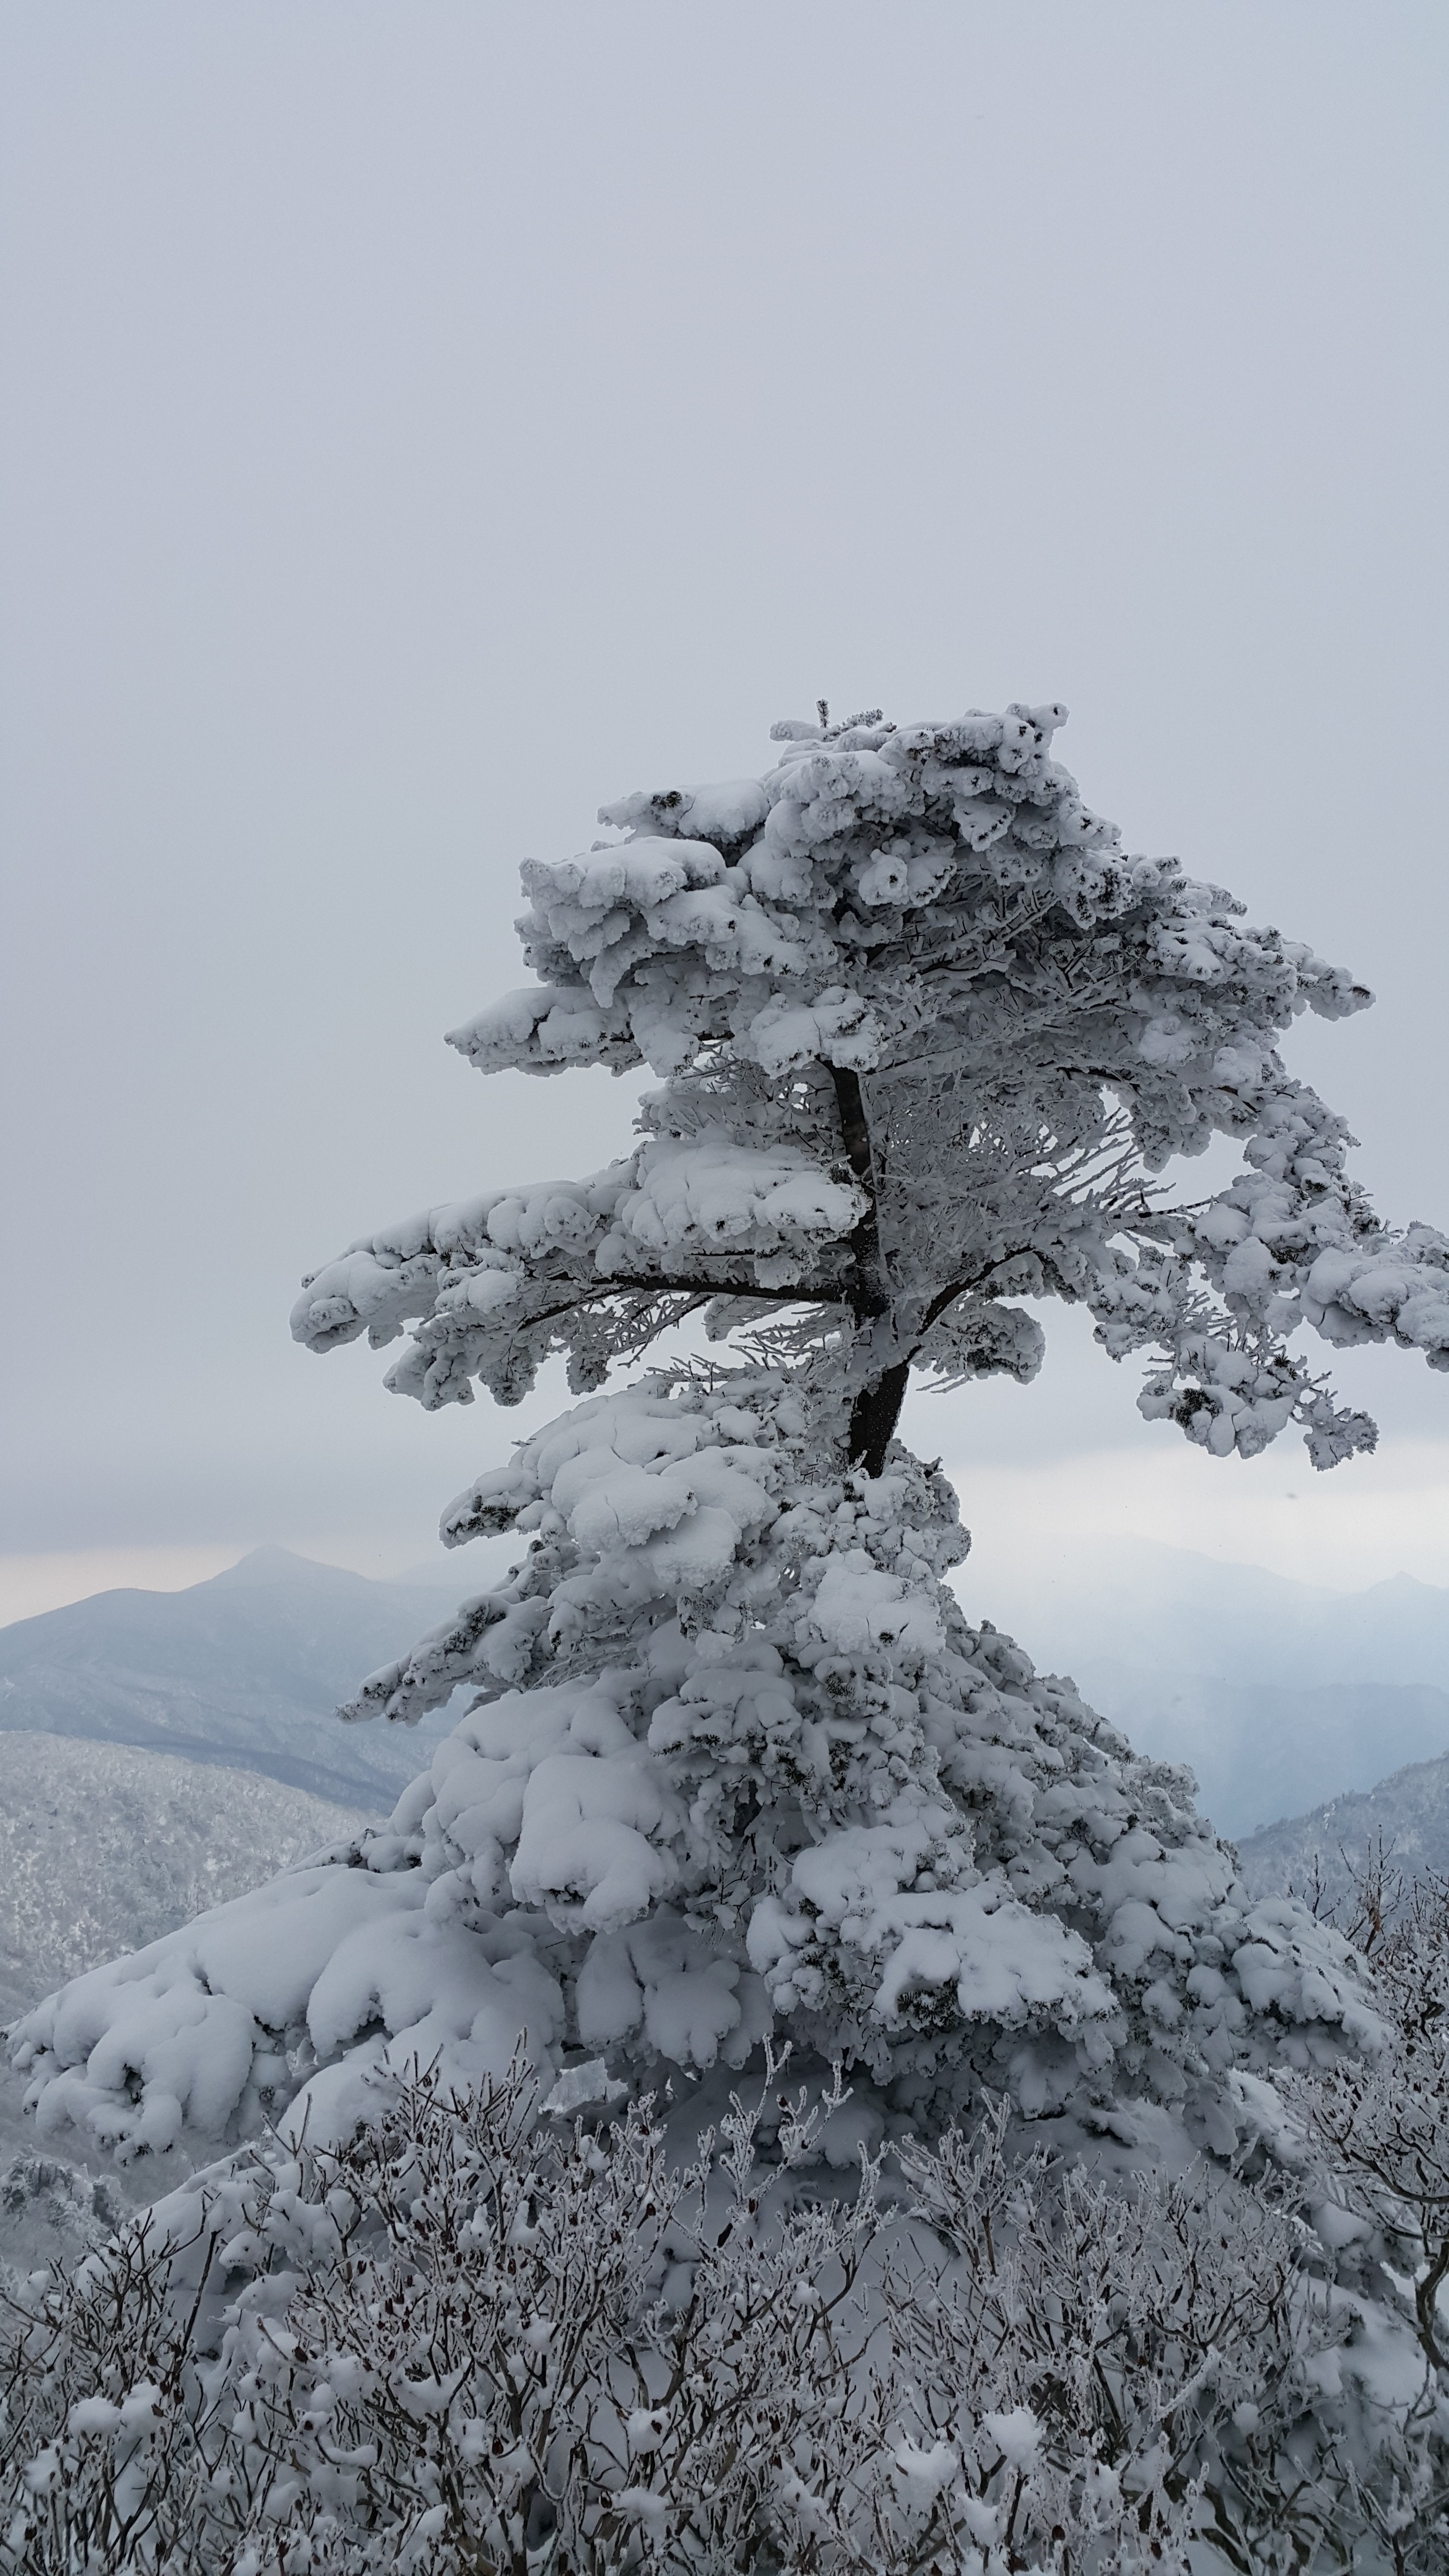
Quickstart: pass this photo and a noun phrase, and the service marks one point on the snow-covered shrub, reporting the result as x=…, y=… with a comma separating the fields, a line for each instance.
x=1378, y=2128
x=52, y=2211
x=736, y=1763
x=1372, y=2140
x=469, y=2340
x=855, y=1815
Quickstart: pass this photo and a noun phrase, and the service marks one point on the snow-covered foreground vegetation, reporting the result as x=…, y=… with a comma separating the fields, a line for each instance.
x=485, y=2335
x=103, y=1849
x=738, y=1773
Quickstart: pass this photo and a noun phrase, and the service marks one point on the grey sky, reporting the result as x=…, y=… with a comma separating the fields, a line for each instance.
x=421, y=423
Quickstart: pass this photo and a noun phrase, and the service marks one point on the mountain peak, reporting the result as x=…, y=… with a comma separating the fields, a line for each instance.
x=277, y=1565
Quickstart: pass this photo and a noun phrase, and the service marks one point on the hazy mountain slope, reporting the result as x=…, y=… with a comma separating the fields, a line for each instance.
x=1278, y=1694
x=1261, y=1752
x=104, y=1847
x=1409, y=1812
x=245, y=1670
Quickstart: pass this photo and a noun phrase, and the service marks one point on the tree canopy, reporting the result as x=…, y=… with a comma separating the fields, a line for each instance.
x=926, y=1038
x=736, y=1765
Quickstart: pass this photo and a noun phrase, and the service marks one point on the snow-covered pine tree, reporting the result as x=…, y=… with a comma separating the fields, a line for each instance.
x=924, y=1036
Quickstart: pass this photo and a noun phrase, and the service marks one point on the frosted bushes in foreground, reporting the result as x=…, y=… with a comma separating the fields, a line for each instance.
x=1378, y=2130
x=470, y=2339
x=460, y=2343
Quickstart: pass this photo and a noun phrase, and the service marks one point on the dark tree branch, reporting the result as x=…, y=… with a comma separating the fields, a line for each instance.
x=877, y=1408
x=700, y=1292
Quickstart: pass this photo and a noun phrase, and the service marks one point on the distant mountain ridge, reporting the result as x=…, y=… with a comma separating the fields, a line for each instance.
x=1279, y=1695
x=1134, y=1603
x=246, y=1669
x=1260, y=1752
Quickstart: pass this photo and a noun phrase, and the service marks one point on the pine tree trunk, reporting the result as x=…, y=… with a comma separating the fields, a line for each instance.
x=876, y=1410
x=872, y=1292
x=873, y=1418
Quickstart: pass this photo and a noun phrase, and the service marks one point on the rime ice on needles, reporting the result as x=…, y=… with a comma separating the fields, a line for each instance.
x=924, y=1038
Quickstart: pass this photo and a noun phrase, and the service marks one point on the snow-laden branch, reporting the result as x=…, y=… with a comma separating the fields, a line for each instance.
x=916, y=1014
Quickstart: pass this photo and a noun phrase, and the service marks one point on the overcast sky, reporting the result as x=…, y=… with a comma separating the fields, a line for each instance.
x=423, y=422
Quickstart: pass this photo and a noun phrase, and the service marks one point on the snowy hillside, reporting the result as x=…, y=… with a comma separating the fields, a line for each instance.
x=245, y=1670
x=104, y=1847
x=1408, y=1813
